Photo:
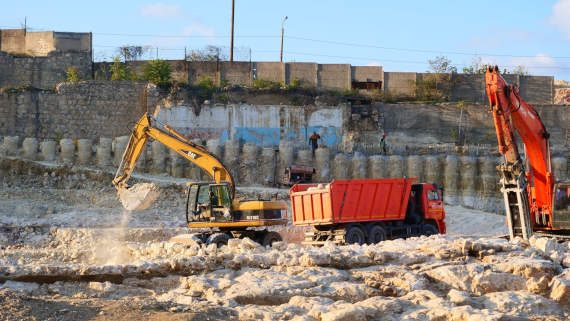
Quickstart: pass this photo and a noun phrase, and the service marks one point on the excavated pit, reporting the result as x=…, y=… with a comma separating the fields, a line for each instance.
x=62, y=227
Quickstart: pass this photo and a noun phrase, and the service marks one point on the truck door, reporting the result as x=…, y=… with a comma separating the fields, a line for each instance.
x=434, y=204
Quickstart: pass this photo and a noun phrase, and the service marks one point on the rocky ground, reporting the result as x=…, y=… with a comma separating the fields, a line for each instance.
x=68, y=251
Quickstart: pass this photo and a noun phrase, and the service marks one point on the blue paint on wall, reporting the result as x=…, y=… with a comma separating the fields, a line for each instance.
x=266, y=136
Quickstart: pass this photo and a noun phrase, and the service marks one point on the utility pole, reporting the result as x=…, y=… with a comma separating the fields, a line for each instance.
x=282, y=34
x=232, y=37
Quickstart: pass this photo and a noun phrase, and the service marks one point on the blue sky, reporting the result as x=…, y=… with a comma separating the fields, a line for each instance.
x=399, y=35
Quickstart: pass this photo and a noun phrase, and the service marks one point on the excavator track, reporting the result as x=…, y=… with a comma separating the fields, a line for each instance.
x=558, y=237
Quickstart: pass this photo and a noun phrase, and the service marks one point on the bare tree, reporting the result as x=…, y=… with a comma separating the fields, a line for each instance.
x=441, y=65
x=210, y=53
x=130, y=53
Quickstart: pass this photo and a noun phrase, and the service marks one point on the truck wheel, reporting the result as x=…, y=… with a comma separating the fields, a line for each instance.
x=354, y=234
x=270, y=238
x=429, y=229
x=376, y=234
x=219, y=239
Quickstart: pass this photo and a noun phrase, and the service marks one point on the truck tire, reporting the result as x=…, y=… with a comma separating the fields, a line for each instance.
x=429, y=229
x=376, y=234
x=219, y=239
x=270, y=238
x=354, y=235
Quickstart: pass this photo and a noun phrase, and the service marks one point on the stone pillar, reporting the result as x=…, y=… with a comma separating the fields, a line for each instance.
x=176, y=168
x=359, y=166
x=377, y=166
x=30, y=147
x=158, y=157
x=196, y=172
x=119, y=146
x=451, y=180
x=322, y=165
x=286, y=156
x=415, y=167
x=249, y=167
x=67, y=150
x=84, y=151
x=489, y=176
x=104, y=152
x=560, y=168
x=468, y=180
x=433, y=171
x=214, y=146
x=47, y=148
x=10, y=145
x=341, y=167
x=395, y=166
x=232, y=157
x=141, y=162
x=268, y=166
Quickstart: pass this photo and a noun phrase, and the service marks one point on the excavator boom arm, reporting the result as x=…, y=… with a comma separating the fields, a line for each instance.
x=149, y=127
x=511, y=112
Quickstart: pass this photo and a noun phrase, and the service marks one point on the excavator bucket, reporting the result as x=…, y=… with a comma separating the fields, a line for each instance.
x=138, y=197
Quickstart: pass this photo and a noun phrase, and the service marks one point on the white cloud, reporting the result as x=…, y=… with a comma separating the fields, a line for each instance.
x=539, y=64
x=160, y=10
x=561, y=16
x=374, y=63
x=199, y=30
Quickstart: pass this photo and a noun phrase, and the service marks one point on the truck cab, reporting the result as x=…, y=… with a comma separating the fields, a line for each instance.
x=428, y=204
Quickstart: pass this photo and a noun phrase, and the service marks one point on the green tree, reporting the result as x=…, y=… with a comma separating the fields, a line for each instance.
x=158, y=72
x=120, y=71
x=72, y=75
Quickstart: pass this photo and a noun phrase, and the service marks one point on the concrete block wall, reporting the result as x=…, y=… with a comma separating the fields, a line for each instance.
x=367, y=73
x=238, y=73
x=197, y=70
x=272, y=71
x=537, y=89
x=334, y=76
x=178, y=67
x=41, y=43
x=42, y=72
x=399, y=83
x=469, y=87
x=307, y=72
x=81, y=110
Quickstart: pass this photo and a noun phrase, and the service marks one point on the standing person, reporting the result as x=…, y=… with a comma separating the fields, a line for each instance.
x=383, y=144
x=313, y=141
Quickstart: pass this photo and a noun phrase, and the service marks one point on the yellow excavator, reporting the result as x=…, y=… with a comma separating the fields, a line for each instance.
x=210, y=205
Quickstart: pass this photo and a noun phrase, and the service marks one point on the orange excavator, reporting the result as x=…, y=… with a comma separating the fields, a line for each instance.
x=534, y=201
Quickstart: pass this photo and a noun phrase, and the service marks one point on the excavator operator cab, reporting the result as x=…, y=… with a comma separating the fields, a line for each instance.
x=561, y=205
x=208, y=202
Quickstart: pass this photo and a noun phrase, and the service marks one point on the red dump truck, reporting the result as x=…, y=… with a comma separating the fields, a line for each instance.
x=367, y=210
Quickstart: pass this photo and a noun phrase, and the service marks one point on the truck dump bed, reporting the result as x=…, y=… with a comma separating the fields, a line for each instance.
x=346, y=201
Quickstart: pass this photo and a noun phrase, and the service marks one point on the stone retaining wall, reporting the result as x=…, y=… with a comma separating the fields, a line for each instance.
x=467, y=180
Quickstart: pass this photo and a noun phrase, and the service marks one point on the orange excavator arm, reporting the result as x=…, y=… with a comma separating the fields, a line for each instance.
x=512, y=113
x=150, y=127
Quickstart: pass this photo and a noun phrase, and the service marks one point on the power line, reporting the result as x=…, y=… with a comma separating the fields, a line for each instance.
x=340, y=43
x=382, y=60
x=417, y=50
